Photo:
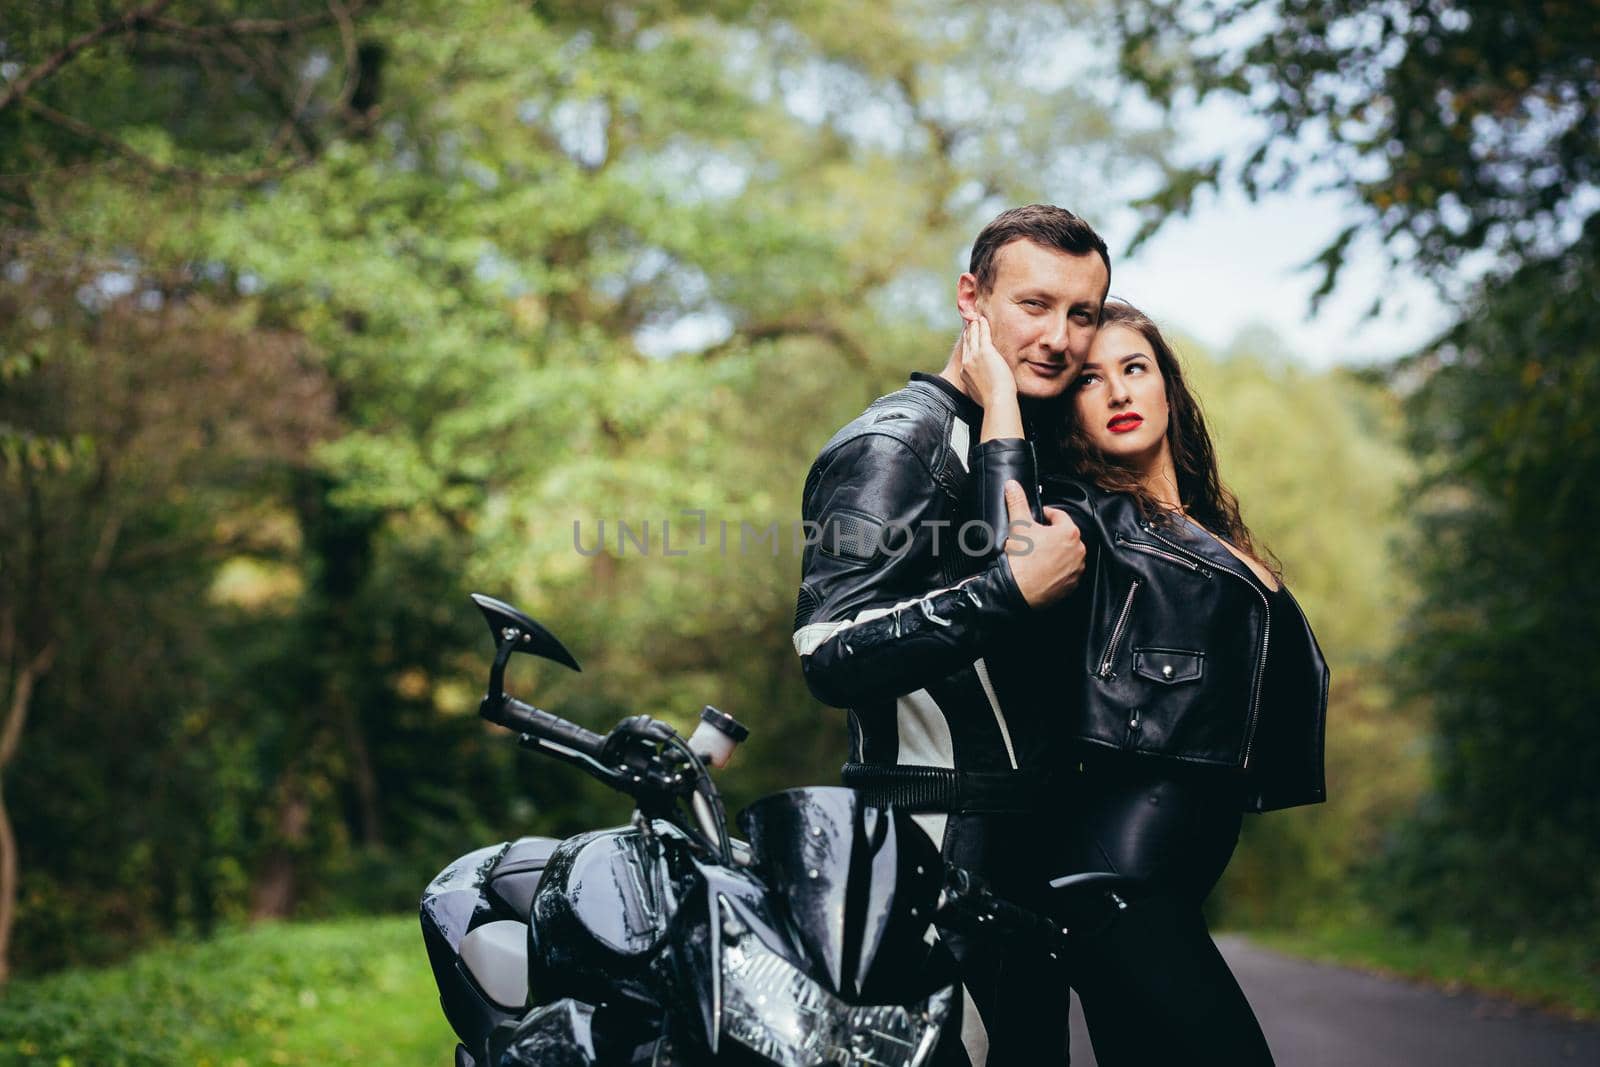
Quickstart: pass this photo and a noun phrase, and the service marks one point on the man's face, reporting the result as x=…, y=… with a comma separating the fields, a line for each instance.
x=1043, y=311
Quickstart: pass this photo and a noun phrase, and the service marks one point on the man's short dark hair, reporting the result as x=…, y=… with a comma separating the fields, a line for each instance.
x=1043, y=224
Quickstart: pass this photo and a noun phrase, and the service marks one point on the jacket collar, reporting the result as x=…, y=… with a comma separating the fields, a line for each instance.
x=967, y=408
x=1194, y=537
x=1119, y=510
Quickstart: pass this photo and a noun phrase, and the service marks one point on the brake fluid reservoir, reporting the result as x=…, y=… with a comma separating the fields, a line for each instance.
x=716, y=737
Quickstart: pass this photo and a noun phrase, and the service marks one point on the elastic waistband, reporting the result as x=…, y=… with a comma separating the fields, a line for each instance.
x=913, y=788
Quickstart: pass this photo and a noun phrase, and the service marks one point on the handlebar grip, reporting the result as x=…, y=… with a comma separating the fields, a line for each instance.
x=531, y=720
x=1020, y=920
x=969, y=900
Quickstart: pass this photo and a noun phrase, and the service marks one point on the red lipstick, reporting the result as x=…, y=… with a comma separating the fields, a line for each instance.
x=1124, y=422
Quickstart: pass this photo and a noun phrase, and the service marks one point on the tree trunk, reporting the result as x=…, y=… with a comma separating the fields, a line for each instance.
x=8, y=888
x=341, y=544
x=366, y=778
x=277, y=886
x=10, y=738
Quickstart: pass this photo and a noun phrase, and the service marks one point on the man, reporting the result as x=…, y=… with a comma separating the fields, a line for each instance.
x=901, y=602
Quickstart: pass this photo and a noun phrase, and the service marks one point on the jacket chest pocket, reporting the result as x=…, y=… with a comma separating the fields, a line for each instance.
x=1168, y=666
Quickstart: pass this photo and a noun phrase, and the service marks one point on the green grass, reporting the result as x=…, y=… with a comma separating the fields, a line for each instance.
x=353, y=991
x=1558, y=975
x=360, y=991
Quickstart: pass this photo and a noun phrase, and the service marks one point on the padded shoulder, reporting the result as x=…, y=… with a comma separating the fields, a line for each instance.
x=917, y=416
x=1062, y=491
x=1096, y=512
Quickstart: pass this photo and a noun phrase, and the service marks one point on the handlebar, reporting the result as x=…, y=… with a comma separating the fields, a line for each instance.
x=1077, y=904
x=641, y=756
x=967, y=905
x=525, y=718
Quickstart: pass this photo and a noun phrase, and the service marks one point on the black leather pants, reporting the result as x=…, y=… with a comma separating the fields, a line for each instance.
x=1021, y=995
x=1153, y=986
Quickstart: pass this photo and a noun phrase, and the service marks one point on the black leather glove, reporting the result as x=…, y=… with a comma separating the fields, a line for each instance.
x=634, y=739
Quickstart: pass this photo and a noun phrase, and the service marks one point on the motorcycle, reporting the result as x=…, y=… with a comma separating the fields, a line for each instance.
x=667, y=941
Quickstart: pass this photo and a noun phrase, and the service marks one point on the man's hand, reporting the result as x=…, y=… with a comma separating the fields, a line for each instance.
x=989, y=379
x=1047, y=559
x=985, y=374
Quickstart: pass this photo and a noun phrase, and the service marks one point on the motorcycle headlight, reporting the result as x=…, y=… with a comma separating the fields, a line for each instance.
x=780, y=1013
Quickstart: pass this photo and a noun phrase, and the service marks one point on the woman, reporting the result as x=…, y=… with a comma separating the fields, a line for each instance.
x=1199, y=692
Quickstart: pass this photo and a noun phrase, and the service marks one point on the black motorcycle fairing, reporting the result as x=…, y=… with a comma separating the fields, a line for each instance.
x=462, y=897
x=859, y=885
x=573, y=1033
x=516, y=877
x=661, y=942
x=781, y=1015
x=762, y=999
x=902, y=896
x=597, y=918
x=697, y=933
x=560, y=1034
x=454, y=902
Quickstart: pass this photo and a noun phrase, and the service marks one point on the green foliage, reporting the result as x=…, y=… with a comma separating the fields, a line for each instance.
x=1459, y=127
x=173, y=417
x=1502, y=642
x=428, y=355
x=335, y=992
x=1317, y=461
x=1465, y=132
x=1553, y=973
x=410, y=336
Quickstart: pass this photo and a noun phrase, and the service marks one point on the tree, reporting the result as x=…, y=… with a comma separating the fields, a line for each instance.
x=1464, y=133
x=552, y=263
x=1459, y=128
x=91, y=464
x=98, y=87
x=136, y=427
x=1500, y=643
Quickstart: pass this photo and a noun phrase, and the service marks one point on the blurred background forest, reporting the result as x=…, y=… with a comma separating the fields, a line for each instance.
x=316, y=315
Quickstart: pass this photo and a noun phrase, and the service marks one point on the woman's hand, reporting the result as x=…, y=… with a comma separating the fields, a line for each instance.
x=988, y=379
x=984, y=371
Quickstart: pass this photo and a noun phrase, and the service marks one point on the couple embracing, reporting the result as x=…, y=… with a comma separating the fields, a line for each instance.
x=1106, y=680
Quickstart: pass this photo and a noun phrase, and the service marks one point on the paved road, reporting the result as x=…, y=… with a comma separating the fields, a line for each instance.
x=1317, y=1015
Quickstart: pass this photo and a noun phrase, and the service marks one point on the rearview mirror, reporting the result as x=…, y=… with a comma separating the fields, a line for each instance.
x=514, y=632
x=508, y=625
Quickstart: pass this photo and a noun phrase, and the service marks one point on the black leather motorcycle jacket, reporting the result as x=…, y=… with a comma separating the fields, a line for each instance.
x=901, y=599
x=1171, y=648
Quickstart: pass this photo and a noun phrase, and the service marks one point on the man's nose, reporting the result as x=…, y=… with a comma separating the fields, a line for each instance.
x=1057, y=337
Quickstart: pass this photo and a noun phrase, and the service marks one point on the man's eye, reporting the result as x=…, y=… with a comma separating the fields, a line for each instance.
x=1033, y=303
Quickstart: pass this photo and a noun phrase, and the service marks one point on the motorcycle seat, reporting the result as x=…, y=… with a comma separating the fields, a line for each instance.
x=516, y=877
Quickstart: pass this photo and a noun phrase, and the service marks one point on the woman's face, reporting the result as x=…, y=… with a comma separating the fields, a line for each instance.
x=1120, y=399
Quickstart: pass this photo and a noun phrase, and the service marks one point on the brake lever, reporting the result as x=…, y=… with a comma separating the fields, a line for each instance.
x=635, y=758
x=634, y=741
x=968, y=905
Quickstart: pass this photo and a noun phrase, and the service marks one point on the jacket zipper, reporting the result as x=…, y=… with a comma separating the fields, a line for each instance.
x=1261, y=661
x=1116, y=633
x=1152, y=550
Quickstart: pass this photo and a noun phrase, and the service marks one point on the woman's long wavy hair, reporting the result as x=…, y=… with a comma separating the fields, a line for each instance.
x=1205, y=499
